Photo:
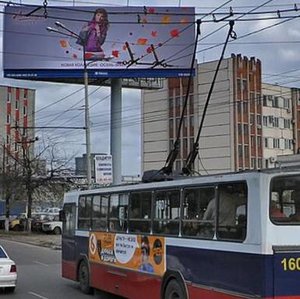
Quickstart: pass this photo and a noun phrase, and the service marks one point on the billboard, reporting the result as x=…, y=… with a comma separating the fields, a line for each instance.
x=103, y=169
x=116, y=42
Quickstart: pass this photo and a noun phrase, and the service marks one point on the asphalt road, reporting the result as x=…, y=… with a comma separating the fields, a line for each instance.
x=39, y=274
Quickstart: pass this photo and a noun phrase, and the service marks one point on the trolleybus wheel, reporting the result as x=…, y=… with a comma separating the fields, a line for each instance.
x=174, y=290
x=84, y=278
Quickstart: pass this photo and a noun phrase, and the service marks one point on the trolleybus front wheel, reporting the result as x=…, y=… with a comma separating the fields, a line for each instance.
x=174, y=290
x=84, y=278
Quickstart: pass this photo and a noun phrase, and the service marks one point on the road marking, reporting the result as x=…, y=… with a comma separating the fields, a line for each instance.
x=41, y=263
x=37, y=295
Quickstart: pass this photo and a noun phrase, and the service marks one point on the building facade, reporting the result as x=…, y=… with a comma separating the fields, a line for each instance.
x=17, y=121
x=236, y=134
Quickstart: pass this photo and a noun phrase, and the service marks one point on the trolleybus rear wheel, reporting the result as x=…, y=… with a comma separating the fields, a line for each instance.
x=84, y=278
x=174, y=290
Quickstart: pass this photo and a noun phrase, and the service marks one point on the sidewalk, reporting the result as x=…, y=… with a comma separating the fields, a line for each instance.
x=45, y=240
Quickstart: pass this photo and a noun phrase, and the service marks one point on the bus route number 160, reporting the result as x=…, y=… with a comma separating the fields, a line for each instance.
x=291, y=264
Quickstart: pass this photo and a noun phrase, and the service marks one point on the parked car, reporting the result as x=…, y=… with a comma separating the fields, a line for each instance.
x=54, y=226
x=39, y=219
x=18, y=223
x=8, y=271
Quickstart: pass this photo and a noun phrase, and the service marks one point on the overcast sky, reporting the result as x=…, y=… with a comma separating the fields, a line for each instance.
x=277, y=46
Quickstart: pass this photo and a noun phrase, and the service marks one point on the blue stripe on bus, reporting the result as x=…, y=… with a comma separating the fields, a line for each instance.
x=244, y=273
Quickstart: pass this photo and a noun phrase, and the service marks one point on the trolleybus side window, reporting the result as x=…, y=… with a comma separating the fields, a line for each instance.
x=231, y=211
x=195, y=203
x=140, y=212
x=118, y=210
x=285, y=200
x=166, y=212
x=100, y=210
x=96, y=211
x=84, y=212
x=69, y=223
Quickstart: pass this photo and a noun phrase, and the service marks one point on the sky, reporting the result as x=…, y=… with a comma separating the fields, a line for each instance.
x=263, y=31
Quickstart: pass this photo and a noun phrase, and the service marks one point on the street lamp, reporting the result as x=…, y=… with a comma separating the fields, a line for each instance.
x=73, y=34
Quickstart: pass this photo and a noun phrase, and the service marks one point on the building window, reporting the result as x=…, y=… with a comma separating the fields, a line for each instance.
x=265, y=121
x=24, y=110
x=246, y=131
x=258, y=99
x=191, y=104
x=192, y=121
x=240, y=149
x=9, y=96
x=171, y=127
x=177, y=103
x=178, y=165
x=276, y=143
x=252, y=100
x=8, y=118
x=252, y=119
x=287, y=123
x=191, y=143
x=171, y=104
x=245, y=107
x=271, y=121
x=240, y=132
x=266, y=142
x=238, y=83
x=265, y=101
x=258, y=119
x=246, y=149
x=17, y=104
x=259, y=161
x=239, y=107
x=245, y=85
x=258, y=140
x=177, y=123
x=171, y=143
x=185, y=146
x=286, y=103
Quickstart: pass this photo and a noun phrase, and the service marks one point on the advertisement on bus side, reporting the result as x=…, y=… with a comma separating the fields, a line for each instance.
x=135, y=252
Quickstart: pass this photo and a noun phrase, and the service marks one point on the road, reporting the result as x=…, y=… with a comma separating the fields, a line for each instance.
x=39, y=274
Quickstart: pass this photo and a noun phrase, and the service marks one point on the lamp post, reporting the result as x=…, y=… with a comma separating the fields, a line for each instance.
x=73, y=34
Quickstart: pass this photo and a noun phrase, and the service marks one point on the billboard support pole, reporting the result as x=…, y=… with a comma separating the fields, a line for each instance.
x=115, y=129
x=87, y=123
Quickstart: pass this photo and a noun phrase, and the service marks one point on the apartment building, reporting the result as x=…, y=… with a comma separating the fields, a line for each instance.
x=237, y=132
x=17, y=119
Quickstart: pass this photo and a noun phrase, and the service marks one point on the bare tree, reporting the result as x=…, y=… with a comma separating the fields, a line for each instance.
x=31, y=174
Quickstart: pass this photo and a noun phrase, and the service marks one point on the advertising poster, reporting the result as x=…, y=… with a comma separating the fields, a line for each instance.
x=115, y=41
x=135, y=252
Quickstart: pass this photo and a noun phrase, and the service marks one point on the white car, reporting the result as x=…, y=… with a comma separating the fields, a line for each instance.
x=54, y=226
x=8, y=271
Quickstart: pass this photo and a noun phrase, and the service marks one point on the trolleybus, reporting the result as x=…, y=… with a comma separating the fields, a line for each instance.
x=223, y=236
